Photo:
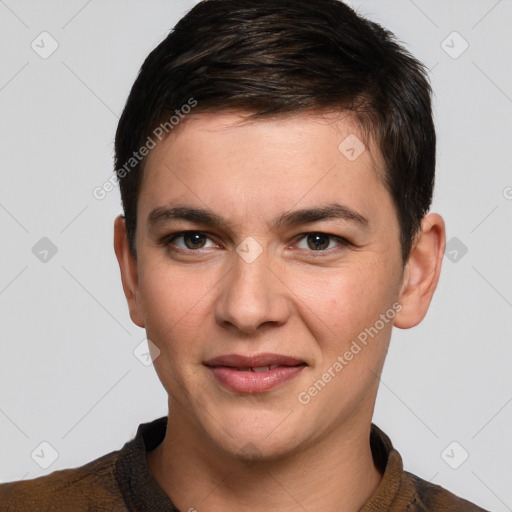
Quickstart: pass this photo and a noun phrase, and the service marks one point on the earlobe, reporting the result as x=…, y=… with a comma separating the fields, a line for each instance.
x=422, y=271
x=128, y=268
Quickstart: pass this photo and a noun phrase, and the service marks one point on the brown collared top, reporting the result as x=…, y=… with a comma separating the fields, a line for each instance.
x=121, y=481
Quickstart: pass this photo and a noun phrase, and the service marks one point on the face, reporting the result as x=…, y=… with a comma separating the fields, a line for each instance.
x=264, y=245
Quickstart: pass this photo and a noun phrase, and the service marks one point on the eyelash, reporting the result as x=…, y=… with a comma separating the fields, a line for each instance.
x=168, y=240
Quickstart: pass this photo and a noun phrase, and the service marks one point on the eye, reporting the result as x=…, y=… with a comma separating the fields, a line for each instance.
x=194, y=241
x=320, y=242
x=190, y=240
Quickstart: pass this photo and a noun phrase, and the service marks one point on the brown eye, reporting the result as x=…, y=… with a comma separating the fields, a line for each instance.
x=318, y=241
x=194, y=240
x=188, y=241
x=321, y=243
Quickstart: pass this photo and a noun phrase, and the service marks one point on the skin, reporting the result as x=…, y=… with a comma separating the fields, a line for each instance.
x=199, y=299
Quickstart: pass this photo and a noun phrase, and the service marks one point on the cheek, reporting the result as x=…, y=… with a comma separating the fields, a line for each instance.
x=172, y=299
x=175, y=304
x=338, y=306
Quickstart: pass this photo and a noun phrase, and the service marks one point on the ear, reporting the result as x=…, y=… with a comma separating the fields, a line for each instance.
x=128, y=266
x=422, y=271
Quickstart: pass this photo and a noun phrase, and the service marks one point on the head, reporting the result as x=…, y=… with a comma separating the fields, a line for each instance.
x=294, y=142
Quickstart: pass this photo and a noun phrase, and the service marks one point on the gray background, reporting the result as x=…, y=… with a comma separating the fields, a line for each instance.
x=68, y=374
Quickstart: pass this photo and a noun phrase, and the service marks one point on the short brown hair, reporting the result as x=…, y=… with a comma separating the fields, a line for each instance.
x=282, y=57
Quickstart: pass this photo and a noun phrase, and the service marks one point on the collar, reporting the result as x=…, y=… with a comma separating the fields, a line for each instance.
x=142, y=492
x=139, y=488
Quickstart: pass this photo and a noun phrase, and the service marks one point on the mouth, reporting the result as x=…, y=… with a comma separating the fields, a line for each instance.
x=254, y=374
x=256, y=369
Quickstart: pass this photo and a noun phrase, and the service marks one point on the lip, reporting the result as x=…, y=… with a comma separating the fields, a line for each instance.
x=233, y=371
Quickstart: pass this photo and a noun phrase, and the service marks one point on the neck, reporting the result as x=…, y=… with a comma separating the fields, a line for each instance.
x=336, y=474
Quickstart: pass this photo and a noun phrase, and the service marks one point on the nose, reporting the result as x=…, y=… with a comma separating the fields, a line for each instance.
x=252, y=297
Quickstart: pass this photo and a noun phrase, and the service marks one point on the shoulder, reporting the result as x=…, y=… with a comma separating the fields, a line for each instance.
x=402, y=491
x=70, y=489
x=429, y=496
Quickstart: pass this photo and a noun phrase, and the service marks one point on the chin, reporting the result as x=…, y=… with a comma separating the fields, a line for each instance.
x=256, y=435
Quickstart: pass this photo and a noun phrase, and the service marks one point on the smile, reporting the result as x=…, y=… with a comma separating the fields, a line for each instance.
x=254, y=374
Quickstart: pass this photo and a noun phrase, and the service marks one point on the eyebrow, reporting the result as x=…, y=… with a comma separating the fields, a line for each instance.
x=163, y=215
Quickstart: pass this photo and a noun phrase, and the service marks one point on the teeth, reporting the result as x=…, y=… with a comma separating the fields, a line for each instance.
x=260, y=369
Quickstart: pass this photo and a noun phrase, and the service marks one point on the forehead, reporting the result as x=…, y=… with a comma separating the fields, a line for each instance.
x=258, y=167
x=290, y=130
